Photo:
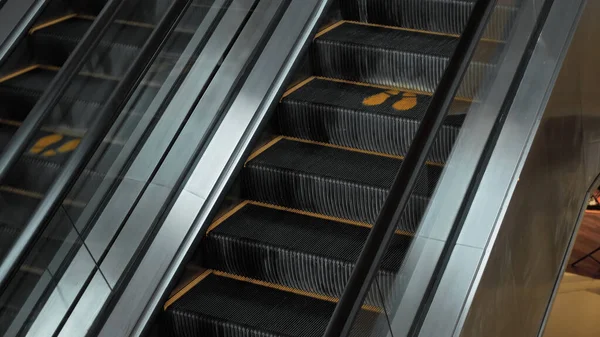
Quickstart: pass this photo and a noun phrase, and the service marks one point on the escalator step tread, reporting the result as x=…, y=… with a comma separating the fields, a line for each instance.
x=445, y=16
x=394, y=57
x=334, y=163
x=312, y=235
x=223, y=306
x=363, y=117
x=332, y=181
x=264, y=243
x=392, y=39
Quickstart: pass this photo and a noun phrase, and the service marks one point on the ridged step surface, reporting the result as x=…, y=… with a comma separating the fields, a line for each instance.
x=336, y=182
x=363, y=117
x=394, y=57
x=319, y=257
x=444, y=16
x=222, y=306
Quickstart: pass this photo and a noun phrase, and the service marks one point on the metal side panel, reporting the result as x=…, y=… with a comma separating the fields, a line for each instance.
x=149, y=284
x=16, y=16
x=511, y=251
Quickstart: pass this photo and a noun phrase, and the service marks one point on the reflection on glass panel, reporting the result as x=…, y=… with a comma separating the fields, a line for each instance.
x=59, y=257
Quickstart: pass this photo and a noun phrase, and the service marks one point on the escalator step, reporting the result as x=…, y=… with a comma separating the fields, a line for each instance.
x=363, y=117
x=295, y=250
x=337, y=182
x=445, y=16
x=394, y=57
x=121, y=44
x=223, y=306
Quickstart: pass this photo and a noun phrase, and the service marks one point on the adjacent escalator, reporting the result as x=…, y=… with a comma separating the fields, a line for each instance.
x=276, y=262
x=25, y=76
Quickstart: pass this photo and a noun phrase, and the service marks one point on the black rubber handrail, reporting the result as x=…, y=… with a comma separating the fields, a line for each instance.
x=57, y=87
x=377, y=242
x=99, y=127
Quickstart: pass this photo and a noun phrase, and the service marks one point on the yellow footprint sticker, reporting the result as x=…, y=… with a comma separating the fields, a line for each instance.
x=380, y=98
x=407, y=102
x=44, y=145
x=44, y=142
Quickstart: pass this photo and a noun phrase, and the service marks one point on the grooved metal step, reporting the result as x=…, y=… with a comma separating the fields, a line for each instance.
x=394, y=57
x=319, y=257
x=363, y=117
x=445, y=16
x=224, y=306
x=332, y=181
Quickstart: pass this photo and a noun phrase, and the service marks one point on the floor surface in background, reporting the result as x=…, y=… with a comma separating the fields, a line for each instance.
x=588, y=239
x=576, y=310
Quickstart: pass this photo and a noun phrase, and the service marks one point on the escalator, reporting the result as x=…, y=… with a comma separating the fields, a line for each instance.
x=24, y=77
x=277, y=261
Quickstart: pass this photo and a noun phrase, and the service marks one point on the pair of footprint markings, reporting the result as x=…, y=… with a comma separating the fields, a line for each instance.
x=407, y=101
x=54, y=144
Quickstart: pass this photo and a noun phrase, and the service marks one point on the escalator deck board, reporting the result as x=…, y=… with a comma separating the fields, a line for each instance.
x=316, y=236
x=407, y=41
x=338, y=164
x=223, y=306
x=395, y=57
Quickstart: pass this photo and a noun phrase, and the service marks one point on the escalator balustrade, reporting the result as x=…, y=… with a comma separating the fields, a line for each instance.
x=23, y=79
x=276, y=263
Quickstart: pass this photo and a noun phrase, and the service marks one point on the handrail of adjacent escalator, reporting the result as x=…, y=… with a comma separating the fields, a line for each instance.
x=50, y=98
x=99, y=127
x=382, y=232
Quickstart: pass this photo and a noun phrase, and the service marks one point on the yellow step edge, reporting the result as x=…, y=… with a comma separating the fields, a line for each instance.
x=208, y=272
x=263, y=148
x=19, y=73
x=345, y=148
x=329, y=28
x=52, y=22
x=340, y=147
x=226, y=216
x=241, y=205
x=187, y=288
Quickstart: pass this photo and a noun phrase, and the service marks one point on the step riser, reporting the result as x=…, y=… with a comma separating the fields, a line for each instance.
x=390, y=68
x=183, y=324
x=307, y=272
x=325, y=196
x=439, y=16
x=354, y=129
